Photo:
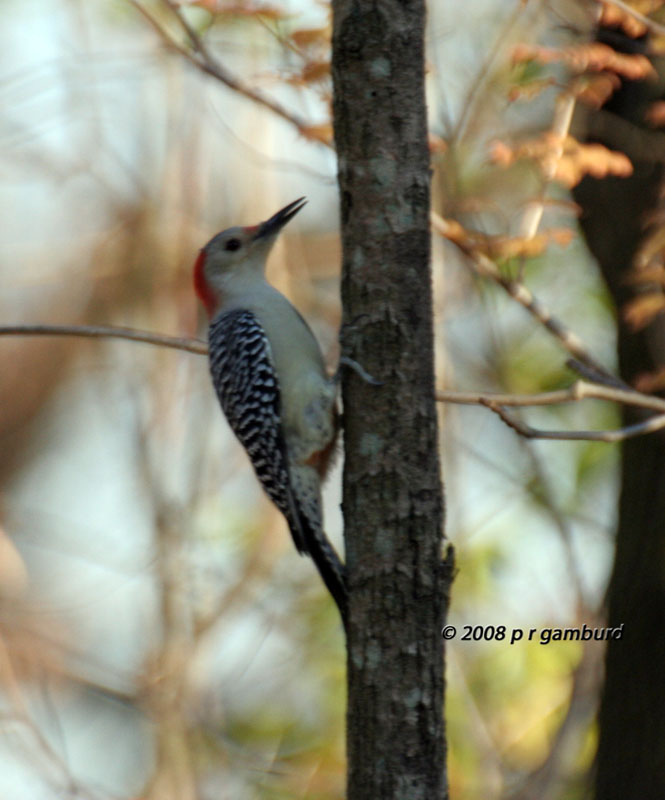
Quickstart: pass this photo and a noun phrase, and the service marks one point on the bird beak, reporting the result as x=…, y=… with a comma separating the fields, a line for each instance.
x=272, y=226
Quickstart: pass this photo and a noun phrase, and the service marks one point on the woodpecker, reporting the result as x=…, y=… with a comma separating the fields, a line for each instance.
x=269, y=375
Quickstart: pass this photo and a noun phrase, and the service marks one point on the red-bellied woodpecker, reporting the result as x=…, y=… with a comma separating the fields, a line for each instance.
x=269, y=375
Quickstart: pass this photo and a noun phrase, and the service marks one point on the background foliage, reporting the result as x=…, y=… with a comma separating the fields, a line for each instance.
x=150, y=602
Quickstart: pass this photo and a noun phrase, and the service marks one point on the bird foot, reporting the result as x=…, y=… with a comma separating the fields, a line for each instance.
x=345, y=361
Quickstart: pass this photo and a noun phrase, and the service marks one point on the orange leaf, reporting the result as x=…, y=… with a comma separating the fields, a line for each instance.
x=319, y=133
x=531, y=52
x=436, y=143
x=530, y=90
x=655, y=114
x=456, y=232
x=307, y=37
x=501, y=154
x=593, y=56
x=240, y=9
x=614, y=17
x=528, y=247
x=312, y=72
x=598, y=88
x=655, y=274
x=596, y=160
x=517, y=246
x=649, y=382
x=561, y=236
x=640, y=311
x=315, y=71
x=572, y=160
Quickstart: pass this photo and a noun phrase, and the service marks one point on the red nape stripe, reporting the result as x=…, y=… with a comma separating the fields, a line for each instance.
x=203, y=290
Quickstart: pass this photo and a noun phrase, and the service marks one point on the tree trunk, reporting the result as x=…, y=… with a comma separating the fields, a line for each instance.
x=393, y=505
x=631, y=749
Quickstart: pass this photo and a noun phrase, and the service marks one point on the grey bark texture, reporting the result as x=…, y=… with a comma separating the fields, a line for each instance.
x=393, y=503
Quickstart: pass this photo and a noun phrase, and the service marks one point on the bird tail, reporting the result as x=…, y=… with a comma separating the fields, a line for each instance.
x=309, y=536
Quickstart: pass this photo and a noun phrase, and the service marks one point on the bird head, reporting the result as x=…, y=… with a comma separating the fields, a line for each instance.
x=237, y=251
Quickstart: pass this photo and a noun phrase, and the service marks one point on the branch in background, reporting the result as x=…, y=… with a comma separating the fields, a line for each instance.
x=108, y=332
x=590, y=374
x=484, y=74
x=654, y=423
x=563, y=116
x=484, y=266
x=493, y=400
x=579, y=391
x=199, y=55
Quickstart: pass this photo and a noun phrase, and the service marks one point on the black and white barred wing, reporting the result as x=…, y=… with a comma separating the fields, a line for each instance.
x=246, y=384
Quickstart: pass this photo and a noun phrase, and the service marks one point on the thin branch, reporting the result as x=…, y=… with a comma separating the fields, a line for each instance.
x=108, y=332
x=547, y=780
x=483, y=265
x=484, y=73
x=563, y=117
x=654, y=423
x=580, y=390
x=543, y=493
x=201, y=58
x=589, y=373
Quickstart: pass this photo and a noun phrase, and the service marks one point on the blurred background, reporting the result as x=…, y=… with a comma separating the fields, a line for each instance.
x=159, y=637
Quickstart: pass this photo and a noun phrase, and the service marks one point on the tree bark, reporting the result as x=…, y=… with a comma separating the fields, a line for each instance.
x=392, y=502
x=631, y=748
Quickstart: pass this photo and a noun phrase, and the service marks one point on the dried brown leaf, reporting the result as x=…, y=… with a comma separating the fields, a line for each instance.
x=655, y=114
x=641, y=310
x=592, y=56
x=571, y=159
x=530, y=90
x=436, y=143
x=458, y=234
x=654, y=274
x=319, y=133
x=501, y=154
x=612, y=16
x=239, y=9
x=597, y=89
x=649, y=382
x=561, y=236
x=315, y=71
x=652, y=247
x=311, y=72
x=517, y=246
x=596, y=160
x=309, y=37
x=528, y=246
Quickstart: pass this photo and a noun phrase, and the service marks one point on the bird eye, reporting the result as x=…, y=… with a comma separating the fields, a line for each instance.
x=232, y=244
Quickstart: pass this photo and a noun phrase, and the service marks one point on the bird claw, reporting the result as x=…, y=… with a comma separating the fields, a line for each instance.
x=356, y=367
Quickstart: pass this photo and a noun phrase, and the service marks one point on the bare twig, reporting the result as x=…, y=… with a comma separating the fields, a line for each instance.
x=108, y=332
x=650, y=425
x=200, y=57
x=483, y=265
x=563, y=116
x=589, y=373
x=484, y=73
x=580, y=390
